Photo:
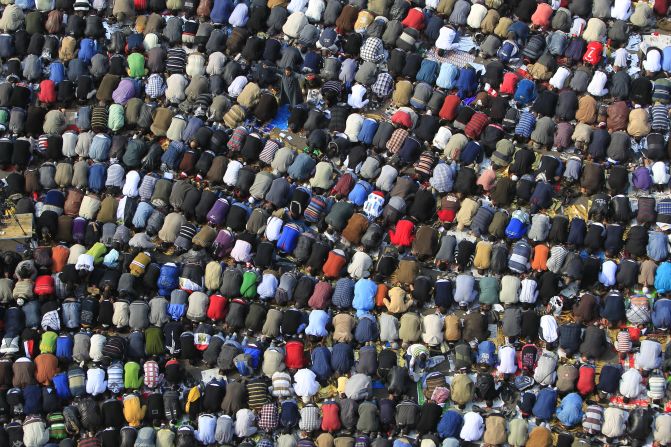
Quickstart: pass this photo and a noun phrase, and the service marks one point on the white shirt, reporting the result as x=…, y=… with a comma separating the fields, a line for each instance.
x=649, y=355
x=317, y=323
x=85, y=262
x=614, y=422
x=237, y=85
x=305, y=383
x=175, y=87
x=432, y=333
x=446, y=38
x=597, y=85
x=239, y=15
x=95, y=381
x=244, y=423
x=207, y=425
x=131, y=184
x=273, y=228
x=559, y=78
x=630, y=384
x=232, y=170
x=621, y=10
x=620, y=57
x=476, y=15
x=507, y=357
x=653, y=60
x=660, y=173
x=442, y=137
x=549, y=328
x=607, y=274
x=529, y=292
x=355, y=99
x=315, y=10
x=473, y=427
x=297, y=6
x=215, y=63
x=360, y=265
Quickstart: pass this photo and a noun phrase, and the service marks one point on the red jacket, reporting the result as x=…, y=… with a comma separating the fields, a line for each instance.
x=44, y=285
x=330, y=417
x=414, y=19
x=585, y=383
x=449, y=109
x=541, y=17
x=401, y=118
x=402, y=235
x=47, y=93
x=661, y=7
x=295, y=355
x=218, y=308
x=593, y=53
x=476, y=125
x=509, y=83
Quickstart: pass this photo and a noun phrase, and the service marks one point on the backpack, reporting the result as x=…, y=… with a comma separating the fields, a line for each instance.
x=525, y=92
x=528, y=358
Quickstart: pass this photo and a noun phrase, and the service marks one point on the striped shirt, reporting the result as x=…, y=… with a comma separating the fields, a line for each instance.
x=525, y=124
x=281, y=384
x=623, y=343
x=115, y=377
x=656, y=387
x=99, y=117
x=257, y=391
x=659, y=115
x=176, y=61
x=593, y=419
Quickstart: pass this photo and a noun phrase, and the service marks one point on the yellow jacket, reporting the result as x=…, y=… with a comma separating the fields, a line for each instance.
x=133, y=410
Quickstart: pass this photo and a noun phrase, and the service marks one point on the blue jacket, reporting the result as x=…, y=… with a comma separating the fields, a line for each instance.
x=467, y=83
x=569, y=411
x=364, y=295
x=321, y=362
x=342, y=358
x=661, y=312
x=56, y=72
x=447, y=76
x=60, y=381
x=359, y=193
x=288, y=238
x=663, y=277
x=546, y=401
x=450, y=424
x=367, y=131
x=168, y=279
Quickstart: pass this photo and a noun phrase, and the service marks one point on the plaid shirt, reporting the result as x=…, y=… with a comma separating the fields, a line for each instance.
x=155, y=86
x=310, y=418
x=383, y=85
x=237, y=139
x=343, y=293
x=372, y=50
x=396, y=140
x=269, y=417
x=151, y=374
